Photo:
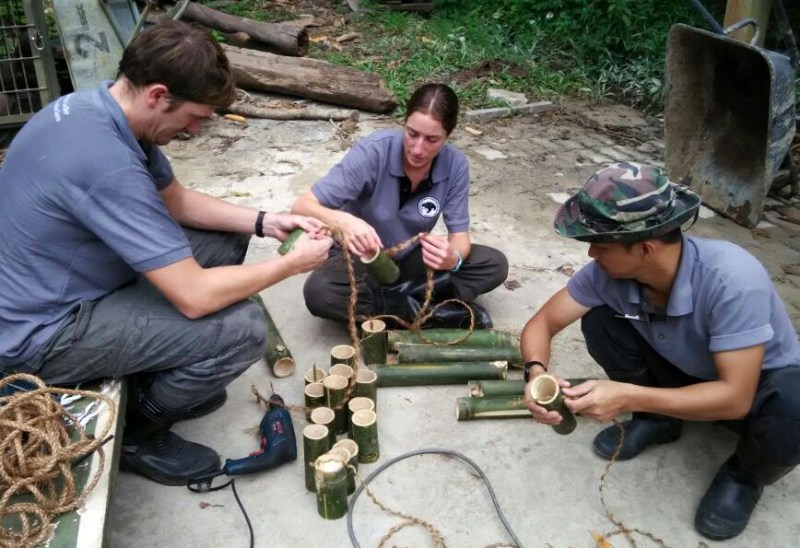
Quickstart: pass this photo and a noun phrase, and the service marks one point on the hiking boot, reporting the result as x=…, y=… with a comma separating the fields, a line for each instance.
x=167, y=458
x=640, y=433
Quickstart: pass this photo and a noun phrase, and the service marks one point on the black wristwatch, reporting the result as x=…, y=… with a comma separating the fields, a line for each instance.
x=526, y=372
x=260, y=224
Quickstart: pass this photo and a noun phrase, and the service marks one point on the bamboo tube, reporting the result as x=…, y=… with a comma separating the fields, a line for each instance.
x=330, y=476
x=315, y=374
x=494, y=407
x=342, y=369
x=489, y=389
x=382, y=267
x=482, y=338
x=345, y=455
x=352, y=463
x=315, y=443
x=314, y=397
x=287, y=244
x=546, y=392
x=357, y=404
x=343, y=353
x=325, y=416
x=422, y=374
x=365, y=434
x=427, y=353
x=366, y=384
x=335, y=394
x=374, y=343
x=278, y=357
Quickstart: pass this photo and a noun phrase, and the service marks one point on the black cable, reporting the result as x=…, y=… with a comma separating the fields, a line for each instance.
x=428, y=452
x=244, y=513
x=203, y=485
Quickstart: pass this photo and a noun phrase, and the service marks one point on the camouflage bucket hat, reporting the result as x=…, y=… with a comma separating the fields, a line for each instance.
x=626, y=202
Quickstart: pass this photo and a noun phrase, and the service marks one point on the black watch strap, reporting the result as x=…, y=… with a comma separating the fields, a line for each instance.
x=260, y=224
x=526, y=372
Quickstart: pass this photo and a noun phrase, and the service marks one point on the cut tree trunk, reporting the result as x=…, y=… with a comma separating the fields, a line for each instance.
x=310, y=78
x=286, y=39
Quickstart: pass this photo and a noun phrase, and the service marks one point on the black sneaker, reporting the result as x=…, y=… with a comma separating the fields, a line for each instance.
x=167, y=458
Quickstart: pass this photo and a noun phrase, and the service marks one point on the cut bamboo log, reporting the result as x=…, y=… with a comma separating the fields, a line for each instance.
x=365, y=434
x=374, y=343
x=343, y=353
x=331, y=482
x=288, y=243
x=357, y=404
x=352, y=462
x=431, y=353
x=311, y=78
x=495, y=407
x=315, y=443
x=314, y=396
x=342, y=369
x=483, y=338
x=277, y=356
x=546, y=391
x=366, y=384
x=489, y=389
x=325, y=416
x=422, y=374
x=335, y=394
x=382, y=267
x=286, y=39
x=314, y=374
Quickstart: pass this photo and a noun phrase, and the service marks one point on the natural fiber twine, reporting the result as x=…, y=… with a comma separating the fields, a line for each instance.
x=40, y=442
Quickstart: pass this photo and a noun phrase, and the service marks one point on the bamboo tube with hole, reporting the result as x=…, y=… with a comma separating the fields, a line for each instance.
x=357, y=404
x=374, y=345
x=325, y=416
x=382, y=267
x=482, y=338
x=287, y=244
x=278, y=357
x=366, y=385
x=335, y=394
x=489, y=389
x=494, y=407
x=342, y=369
x=365, y=434
x=423, y=374
x=352, y=463
x=345, y=454
x=314, y=397
x=315, y=443
x=430, y=353
x=343, y=353
x=330, y=476
x=545, y=391
x=315, y=374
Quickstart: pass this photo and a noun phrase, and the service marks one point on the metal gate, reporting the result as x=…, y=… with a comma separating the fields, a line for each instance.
x=27, y=72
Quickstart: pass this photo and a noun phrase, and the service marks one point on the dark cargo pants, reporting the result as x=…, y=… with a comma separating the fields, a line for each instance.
x=136, y=330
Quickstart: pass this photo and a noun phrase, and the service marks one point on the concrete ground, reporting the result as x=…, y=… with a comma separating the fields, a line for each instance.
x=546, y=484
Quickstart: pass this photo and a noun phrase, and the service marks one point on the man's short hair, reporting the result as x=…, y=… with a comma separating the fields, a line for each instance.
x=184, y=58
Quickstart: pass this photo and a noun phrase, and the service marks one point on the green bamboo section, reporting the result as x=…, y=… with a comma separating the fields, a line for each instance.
x=314, y=396
x=382, y=267
x=495, y=407
x=352, y=462
x=365, y=434
x=546, y=392
x=488, y=389
x=357, y=404
x=343, y=353
x=314, y=374
x=427, y=353
x=331, y=481
x=374, y=345
x=342, y=369
x=288, y=243
x=481, y=338
x=325, y=416
x=277, y=356
x=335, y=394
x=366, y=384
x=440, y=373
x=315, y=443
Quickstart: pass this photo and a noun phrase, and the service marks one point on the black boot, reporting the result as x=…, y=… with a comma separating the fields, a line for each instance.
x=641, y=432
x=150, y=449
x=725, y=509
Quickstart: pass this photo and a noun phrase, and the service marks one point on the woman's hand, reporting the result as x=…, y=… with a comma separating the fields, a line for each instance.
x=361, y=239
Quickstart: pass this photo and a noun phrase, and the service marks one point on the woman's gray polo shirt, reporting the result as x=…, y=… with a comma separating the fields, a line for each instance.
x=722, y=299
x=366, y=184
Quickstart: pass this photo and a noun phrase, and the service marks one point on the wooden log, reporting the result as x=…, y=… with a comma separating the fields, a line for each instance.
x=311, y=78
x=287, y=39
x=277, y=356
x=495, y=407
x=314, y=396
x=330, y=477
x=428, y=353
x=288, y=243
x=315, y=443
x=483, y=338
x=546, y=391
x=423, y=374
x=373, y=343
x=305, y=112
x=490, y=389
x=365, y=434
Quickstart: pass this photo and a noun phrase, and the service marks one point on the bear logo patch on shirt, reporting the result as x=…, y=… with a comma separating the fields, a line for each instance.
x=428, y=206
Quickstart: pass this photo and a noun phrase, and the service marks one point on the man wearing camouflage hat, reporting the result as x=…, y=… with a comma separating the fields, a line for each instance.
x=684, y=327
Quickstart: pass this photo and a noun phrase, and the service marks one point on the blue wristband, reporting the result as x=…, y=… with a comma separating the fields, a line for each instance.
x=458, y=263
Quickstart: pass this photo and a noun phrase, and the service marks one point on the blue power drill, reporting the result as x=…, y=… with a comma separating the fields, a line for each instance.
x=277, y=443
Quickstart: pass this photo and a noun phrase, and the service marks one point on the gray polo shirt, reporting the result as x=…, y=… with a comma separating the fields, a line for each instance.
x=722, y=299
x=366, y=184
x=80, y=216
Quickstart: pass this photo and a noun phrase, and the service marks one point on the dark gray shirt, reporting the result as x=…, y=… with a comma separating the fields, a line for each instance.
x=722, y=299
x=366, y=183
x=80, y=216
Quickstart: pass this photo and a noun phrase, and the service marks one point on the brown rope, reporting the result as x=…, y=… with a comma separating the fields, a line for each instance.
x=41, y=442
